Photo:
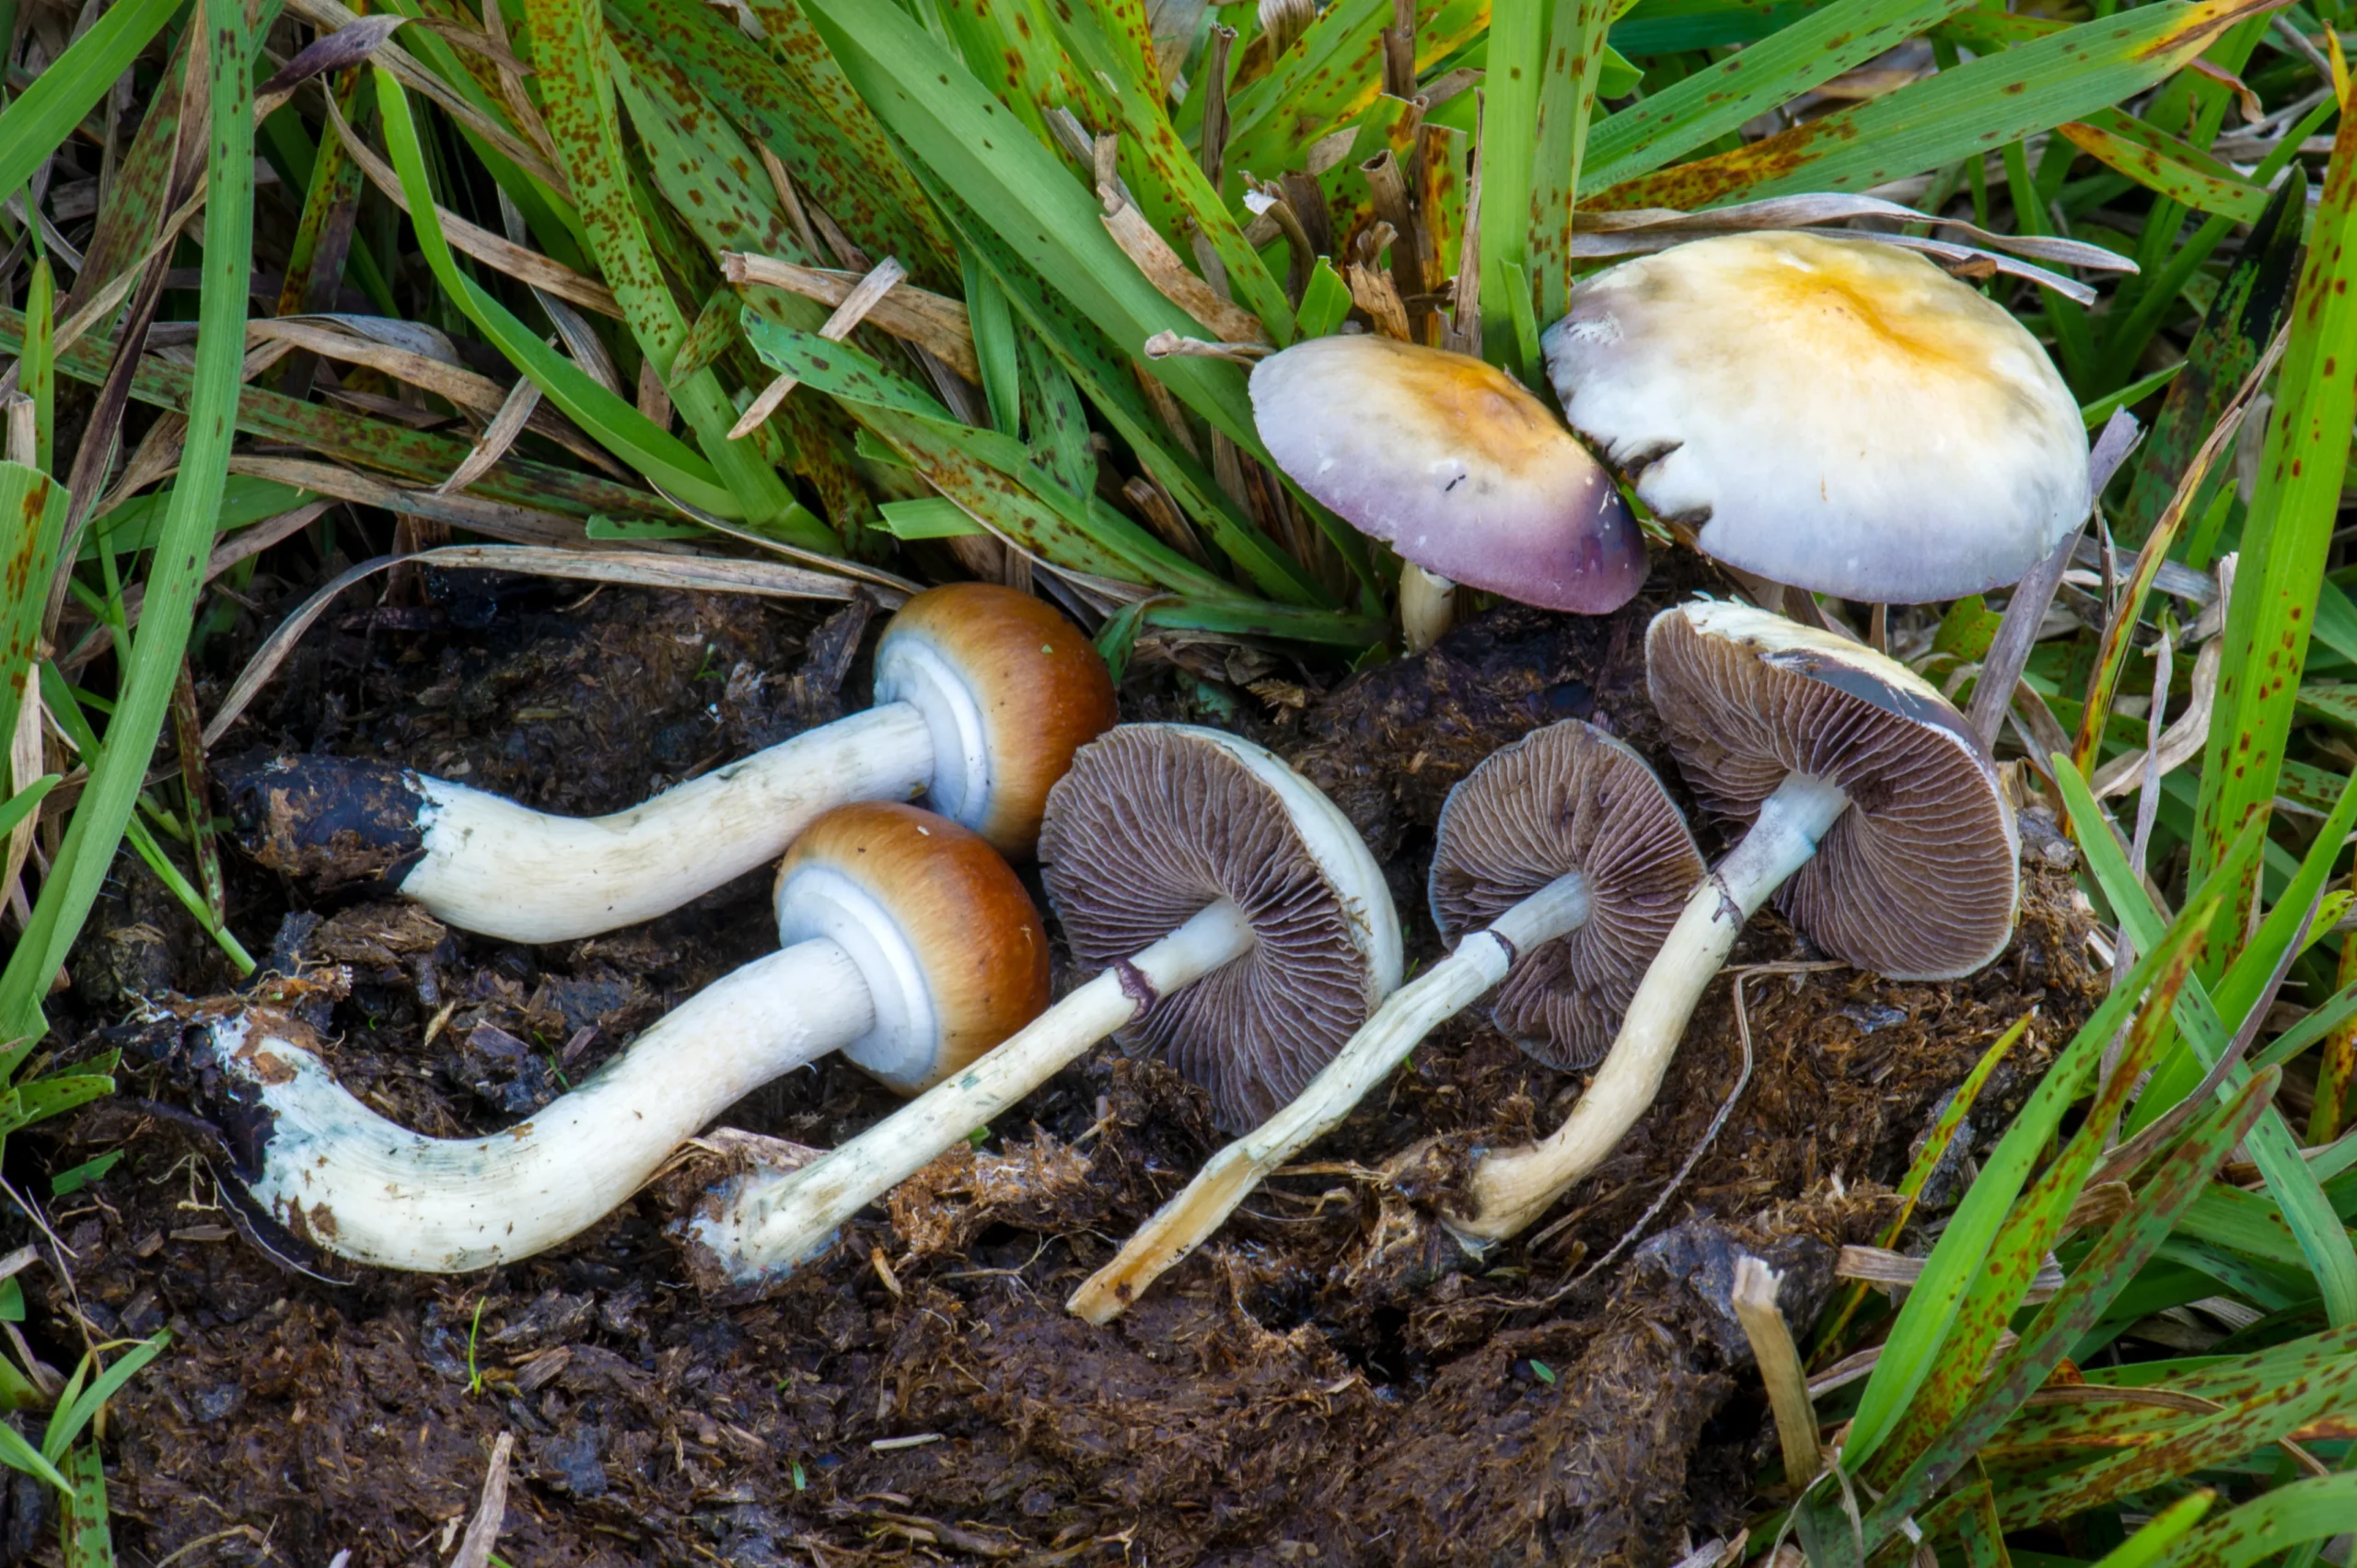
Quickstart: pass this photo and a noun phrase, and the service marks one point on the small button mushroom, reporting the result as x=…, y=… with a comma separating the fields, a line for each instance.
x=983, y=694
x=1872, y=813
x=1241, y=928
x=1560, y=866
x=1832, y=414
x=908, y=946
x=1458, y=467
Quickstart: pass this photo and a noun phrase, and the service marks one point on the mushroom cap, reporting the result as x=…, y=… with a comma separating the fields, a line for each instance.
x=1566, y=798
x=1453, y=463
x=1010, y=690
x=954, y=953
x=1917, y=879
x=1836, y=414
x=1155, y=823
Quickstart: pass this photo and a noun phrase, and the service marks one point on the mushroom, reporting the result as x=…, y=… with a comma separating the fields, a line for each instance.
x=908, y=946
x=1835, y=414
x=1870, y=812
x=981, y=696
x=1559, y=867
x=1459, y=467
x=1240, y=927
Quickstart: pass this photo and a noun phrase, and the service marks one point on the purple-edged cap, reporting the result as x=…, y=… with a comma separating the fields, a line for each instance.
x=1454, y=465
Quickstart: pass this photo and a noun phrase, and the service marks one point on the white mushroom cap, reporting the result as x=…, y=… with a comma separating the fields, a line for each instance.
x=1839, y=415
x=1455, y=464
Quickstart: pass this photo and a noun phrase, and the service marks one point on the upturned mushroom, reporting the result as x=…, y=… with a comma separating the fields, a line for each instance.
x=1559, y=867
x=1871, y=813
x=1835, y=415
x=1458, y=467
x=983, y=694
x=908, y=945
x=1240, y=929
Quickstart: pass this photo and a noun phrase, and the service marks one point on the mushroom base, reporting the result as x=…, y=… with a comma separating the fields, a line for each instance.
x=1513, y=1187
x=353, y=1183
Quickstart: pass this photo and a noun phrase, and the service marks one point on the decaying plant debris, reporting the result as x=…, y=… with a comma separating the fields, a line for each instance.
x=1324, y=1383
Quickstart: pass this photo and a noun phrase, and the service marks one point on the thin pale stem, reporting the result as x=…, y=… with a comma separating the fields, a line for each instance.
x=505, y=870
x=1181, y=1225
x=1513, y=1187
x=770, y=1224
x=1427, y=606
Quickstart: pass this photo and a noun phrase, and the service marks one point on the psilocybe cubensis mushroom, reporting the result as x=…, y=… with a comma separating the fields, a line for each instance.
x=981, y=696
x=908, y=945
x=1871, y=813
x=1458, y=467
x=1837, y=415
x=1561, y=865
x=1237, y=924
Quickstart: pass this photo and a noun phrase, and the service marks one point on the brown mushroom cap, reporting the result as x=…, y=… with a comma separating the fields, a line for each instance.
x=1566, y=798
x=1039, y=689
x=957, y=929
x=1155, y=822
x=1917, y=879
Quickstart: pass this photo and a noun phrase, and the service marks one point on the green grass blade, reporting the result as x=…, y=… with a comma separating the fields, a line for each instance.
x=578, y=102
x=37, y=371
x=33, y=521
x=1984, y=103
x=2324, y=1245
x=49, y=111
x=19, y=1455
x=1576, y=50
x=620, y=428
x=1711, y=103
x=1509, y=153
x=973, y=147
x=2236, y=331
x=2165, y=165
x=2116, y=1256
x=2291, y=1515
x=1162, y=172
x=2288, y=532
x=2033, y=1226
x=175, y=572
x=85, y=1536
x=2152, y=1541
x=1919, y=1337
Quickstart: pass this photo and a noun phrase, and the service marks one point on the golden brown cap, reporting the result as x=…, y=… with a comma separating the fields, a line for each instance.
x=953, y=951
x=1010, y=690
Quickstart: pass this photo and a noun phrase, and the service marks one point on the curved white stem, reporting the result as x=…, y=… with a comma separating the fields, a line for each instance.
x=770, y=1224
x=1513, y=1187
x=505, y=870
x=1427, y=606
x=358, y=1185
x=1413, y=1012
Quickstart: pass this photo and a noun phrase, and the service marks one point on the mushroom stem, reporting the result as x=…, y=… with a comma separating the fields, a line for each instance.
x=1513, y=1187
x=1427, y=606
x=1413, y=1012
x=367, y=1189
x=505, y=870
x=768, y=1224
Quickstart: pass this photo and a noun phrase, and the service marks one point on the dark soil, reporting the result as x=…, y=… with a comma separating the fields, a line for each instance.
x=1331, y=1382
